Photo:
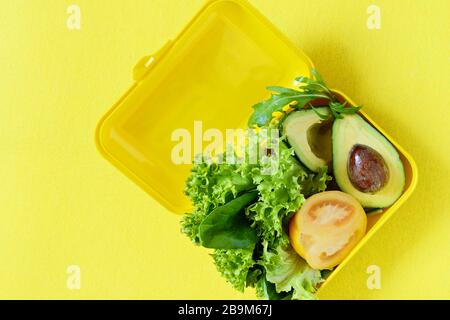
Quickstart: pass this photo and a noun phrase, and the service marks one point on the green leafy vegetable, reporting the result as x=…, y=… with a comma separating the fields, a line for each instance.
x=289, y=272
x=266, y=290
x=209, y=186
x=281, y=194
x=337, y=109
x=234, y=265
x=241, y=210
x=221, y=193
x=263, y=111
x=226, y=227
x=190, y=224
x=322, y=116
x=316, y=183
x=310, y=89
x=254, y=275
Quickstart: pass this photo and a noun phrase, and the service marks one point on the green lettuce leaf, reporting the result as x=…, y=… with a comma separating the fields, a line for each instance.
x=266, y=290
x=190, y=224
x=280, y=195
x=209, y=186
x=315, y=183
x=213, y=184
x=289, y=272
x=234, y=265
x=275, y=273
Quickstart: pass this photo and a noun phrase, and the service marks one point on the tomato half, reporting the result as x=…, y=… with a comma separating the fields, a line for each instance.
x=326, y=228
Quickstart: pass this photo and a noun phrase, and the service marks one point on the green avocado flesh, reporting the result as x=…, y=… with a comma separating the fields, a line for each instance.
x=310, y=137
x=365, y=163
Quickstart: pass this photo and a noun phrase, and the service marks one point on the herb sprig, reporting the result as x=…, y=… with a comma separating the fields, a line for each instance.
x=309, y=89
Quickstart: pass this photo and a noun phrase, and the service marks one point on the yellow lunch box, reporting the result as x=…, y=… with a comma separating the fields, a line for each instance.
x=213, y=71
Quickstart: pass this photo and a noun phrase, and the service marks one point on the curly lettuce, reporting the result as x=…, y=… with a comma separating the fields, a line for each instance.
x=209, y=186
x=289, y=273
x=281, y=194
x=234, y=265
x=213, y=184
x=272, y=267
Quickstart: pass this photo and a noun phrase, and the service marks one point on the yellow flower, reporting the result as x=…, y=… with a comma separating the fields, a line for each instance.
x=288, y=108
x=274, y=121
x=277, y=115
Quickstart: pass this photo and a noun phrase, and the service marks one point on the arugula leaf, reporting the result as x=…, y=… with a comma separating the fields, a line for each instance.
x=263, y=111
x=310, y=89
x=226, y=227
x=283, y=90
x=314, y=84
x=342, y=108
x=317, y=77
x=320, y=115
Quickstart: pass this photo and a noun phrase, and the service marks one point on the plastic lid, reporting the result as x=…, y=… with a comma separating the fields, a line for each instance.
x=214, y=71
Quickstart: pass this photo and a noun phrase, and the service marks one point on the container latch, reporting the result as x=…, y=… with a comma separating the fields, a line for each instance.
x=146, y=63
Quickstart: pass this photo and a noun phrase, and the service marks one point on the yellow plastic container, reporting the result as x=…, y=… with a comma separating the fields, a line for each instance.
x=213, y=71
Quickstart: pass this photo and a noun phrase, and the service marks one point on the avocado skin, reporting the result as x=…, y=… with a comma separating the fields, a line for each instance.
x=353, y=130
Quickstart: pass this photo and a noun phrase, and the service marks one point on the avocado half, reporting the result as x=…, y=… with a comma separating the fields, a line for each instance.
x=365, y=163
x=310, y=137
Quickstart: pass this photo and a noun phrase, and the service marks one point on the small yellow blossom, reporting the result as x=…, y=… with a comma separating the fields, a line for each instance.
x=277, y=114
x=287, y=108
x=274, y=121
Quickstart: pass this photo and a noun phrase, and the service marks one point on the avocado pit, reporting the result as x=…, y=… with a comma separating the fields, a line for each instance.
x=367, y=169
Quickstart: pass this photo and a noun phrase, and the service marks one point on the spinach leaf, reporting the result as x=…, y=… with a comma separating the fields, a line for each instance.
x=227, y=227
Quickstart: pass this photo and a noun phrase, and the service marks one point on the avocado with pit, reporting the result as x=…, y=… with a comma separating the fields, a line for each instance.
x=310, y=136
x=365, y=163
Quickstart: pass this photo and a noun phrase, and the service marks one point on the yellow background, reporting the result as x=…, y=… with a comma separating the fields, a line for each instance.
x=61, y=203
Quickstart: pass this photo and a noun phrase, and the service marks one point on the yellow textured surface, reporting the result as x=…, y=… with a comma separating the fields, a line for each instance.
x=62, y=204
